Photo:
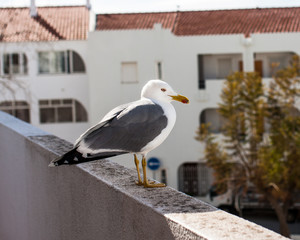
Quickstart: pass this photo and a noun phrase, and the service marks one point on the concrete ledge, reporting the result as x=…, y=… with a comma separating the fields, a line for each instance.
x=96, y=200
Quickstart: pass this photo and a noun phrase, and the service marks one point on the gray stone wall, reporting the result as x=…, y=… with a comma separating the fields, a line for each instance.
x=96, y=200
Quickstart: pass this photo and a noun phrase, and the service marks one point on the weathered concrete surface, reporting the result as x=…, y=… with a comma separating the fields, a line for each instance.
x=220, y=225
x=96, y=200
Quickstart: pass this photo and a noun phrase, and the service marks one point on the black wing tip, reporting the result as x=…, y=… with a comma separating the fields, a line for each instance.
x=58, y=161
x=75, y=157
x=70, y=157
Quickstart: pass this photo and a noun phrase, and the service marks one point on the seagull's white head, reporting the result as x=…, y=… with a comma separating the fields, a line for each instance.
x=161, y=91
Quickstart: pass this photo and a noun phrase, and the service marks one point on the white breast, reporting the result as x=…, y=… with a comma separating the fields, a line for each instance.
x=170, y=113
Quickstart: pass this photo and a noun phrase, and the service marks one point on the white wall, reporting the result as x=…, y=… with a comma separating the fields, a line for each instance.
x=51, y=86
x=107, y=49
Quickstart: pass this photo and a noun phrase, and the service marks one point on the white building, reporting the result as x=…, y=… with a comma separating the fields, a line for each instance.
x=72, y=73
x=43, y=58
x=194, y=52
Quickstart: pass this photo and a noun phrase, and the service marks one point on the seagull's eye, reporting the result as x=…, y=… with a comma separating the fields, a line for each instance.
x=163, y=89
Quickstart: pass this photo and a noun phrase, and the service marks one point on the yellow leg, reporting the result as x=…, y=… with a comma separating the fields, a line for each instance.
x=146, y=183
x=137, y=162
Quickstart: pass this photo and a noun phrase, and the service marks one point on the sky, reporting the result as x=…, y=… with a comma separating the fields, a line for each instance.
x=121, y=6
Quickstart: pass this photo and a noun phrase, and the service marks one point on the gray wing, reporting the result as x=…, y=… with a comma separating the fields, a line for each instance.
x=129, y=130
x=105, y=120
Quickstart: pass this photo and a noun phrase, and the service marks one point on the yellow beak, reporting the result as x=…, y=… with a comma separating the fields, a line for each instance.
x=180, y=98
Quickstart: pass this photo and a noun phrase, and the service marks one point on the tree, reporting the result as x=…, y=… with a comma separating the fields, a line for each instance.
x=261, y=144
x=9, y=86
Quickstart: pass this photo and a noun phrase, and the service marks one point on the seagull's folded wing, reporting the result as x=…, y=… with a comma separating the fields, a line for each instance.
x=127, y=128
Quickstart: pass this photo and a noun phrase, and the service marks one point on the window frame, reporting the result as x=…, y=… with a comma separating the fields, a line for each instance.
x=159, y=70
x=22, y=64
x=188, y=180
x=56, y=105
x=15, y=106
x=67, y=64
x=124, y=72
x=198, y=174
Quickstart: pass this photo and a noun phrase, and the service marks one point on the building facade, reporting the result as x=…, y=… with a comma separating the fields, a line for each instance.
x=63, y=74
x=194, y=52
x=43, y=65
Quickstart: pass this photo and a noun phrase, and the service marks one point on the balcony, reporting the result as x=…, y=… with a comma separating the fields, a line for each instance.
x=96, y=200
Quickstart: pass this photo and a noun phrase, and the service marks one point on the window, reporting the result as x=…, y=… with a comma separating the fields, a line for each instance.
x=201, y=79
x=76, y=63
x=188, y=177
x=216, y=66
x=14, y=63
x=163, y=176
x=51, y=62
x=194, y=178
x=212, y=116
x=271, y=62
x=224, y=67
x=61, y=110
x=129, y=72
x=159, y=70
x=205, y=178
x=19, y=109
x=60, y=62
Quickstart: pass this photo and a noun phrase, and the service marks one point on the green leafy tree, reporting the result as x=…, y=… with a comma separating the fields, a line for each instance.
x=261, y=143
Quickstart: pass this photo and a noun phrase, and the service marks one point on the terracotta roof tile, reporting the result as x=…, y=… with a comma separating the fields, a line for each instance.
x=242, y=21
x=134, y=20
x=51, y=24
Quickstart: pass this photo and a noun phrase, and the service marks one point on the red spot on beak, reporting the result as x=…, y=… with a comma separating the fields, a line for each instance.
x=180, y=98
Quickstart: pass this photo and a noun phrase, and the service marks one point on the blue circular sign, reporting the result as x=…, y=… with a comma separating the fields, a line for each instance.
x=153, y=163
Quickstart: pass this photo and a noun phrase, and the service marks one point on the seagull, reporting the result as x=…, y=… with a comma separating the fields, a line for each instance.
x=136, y=128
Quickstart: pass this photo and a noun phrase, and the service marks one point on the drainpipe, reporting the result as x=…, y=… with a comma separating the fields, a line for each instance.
x=33, y=11
x=88, y=5
x=248, y=56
